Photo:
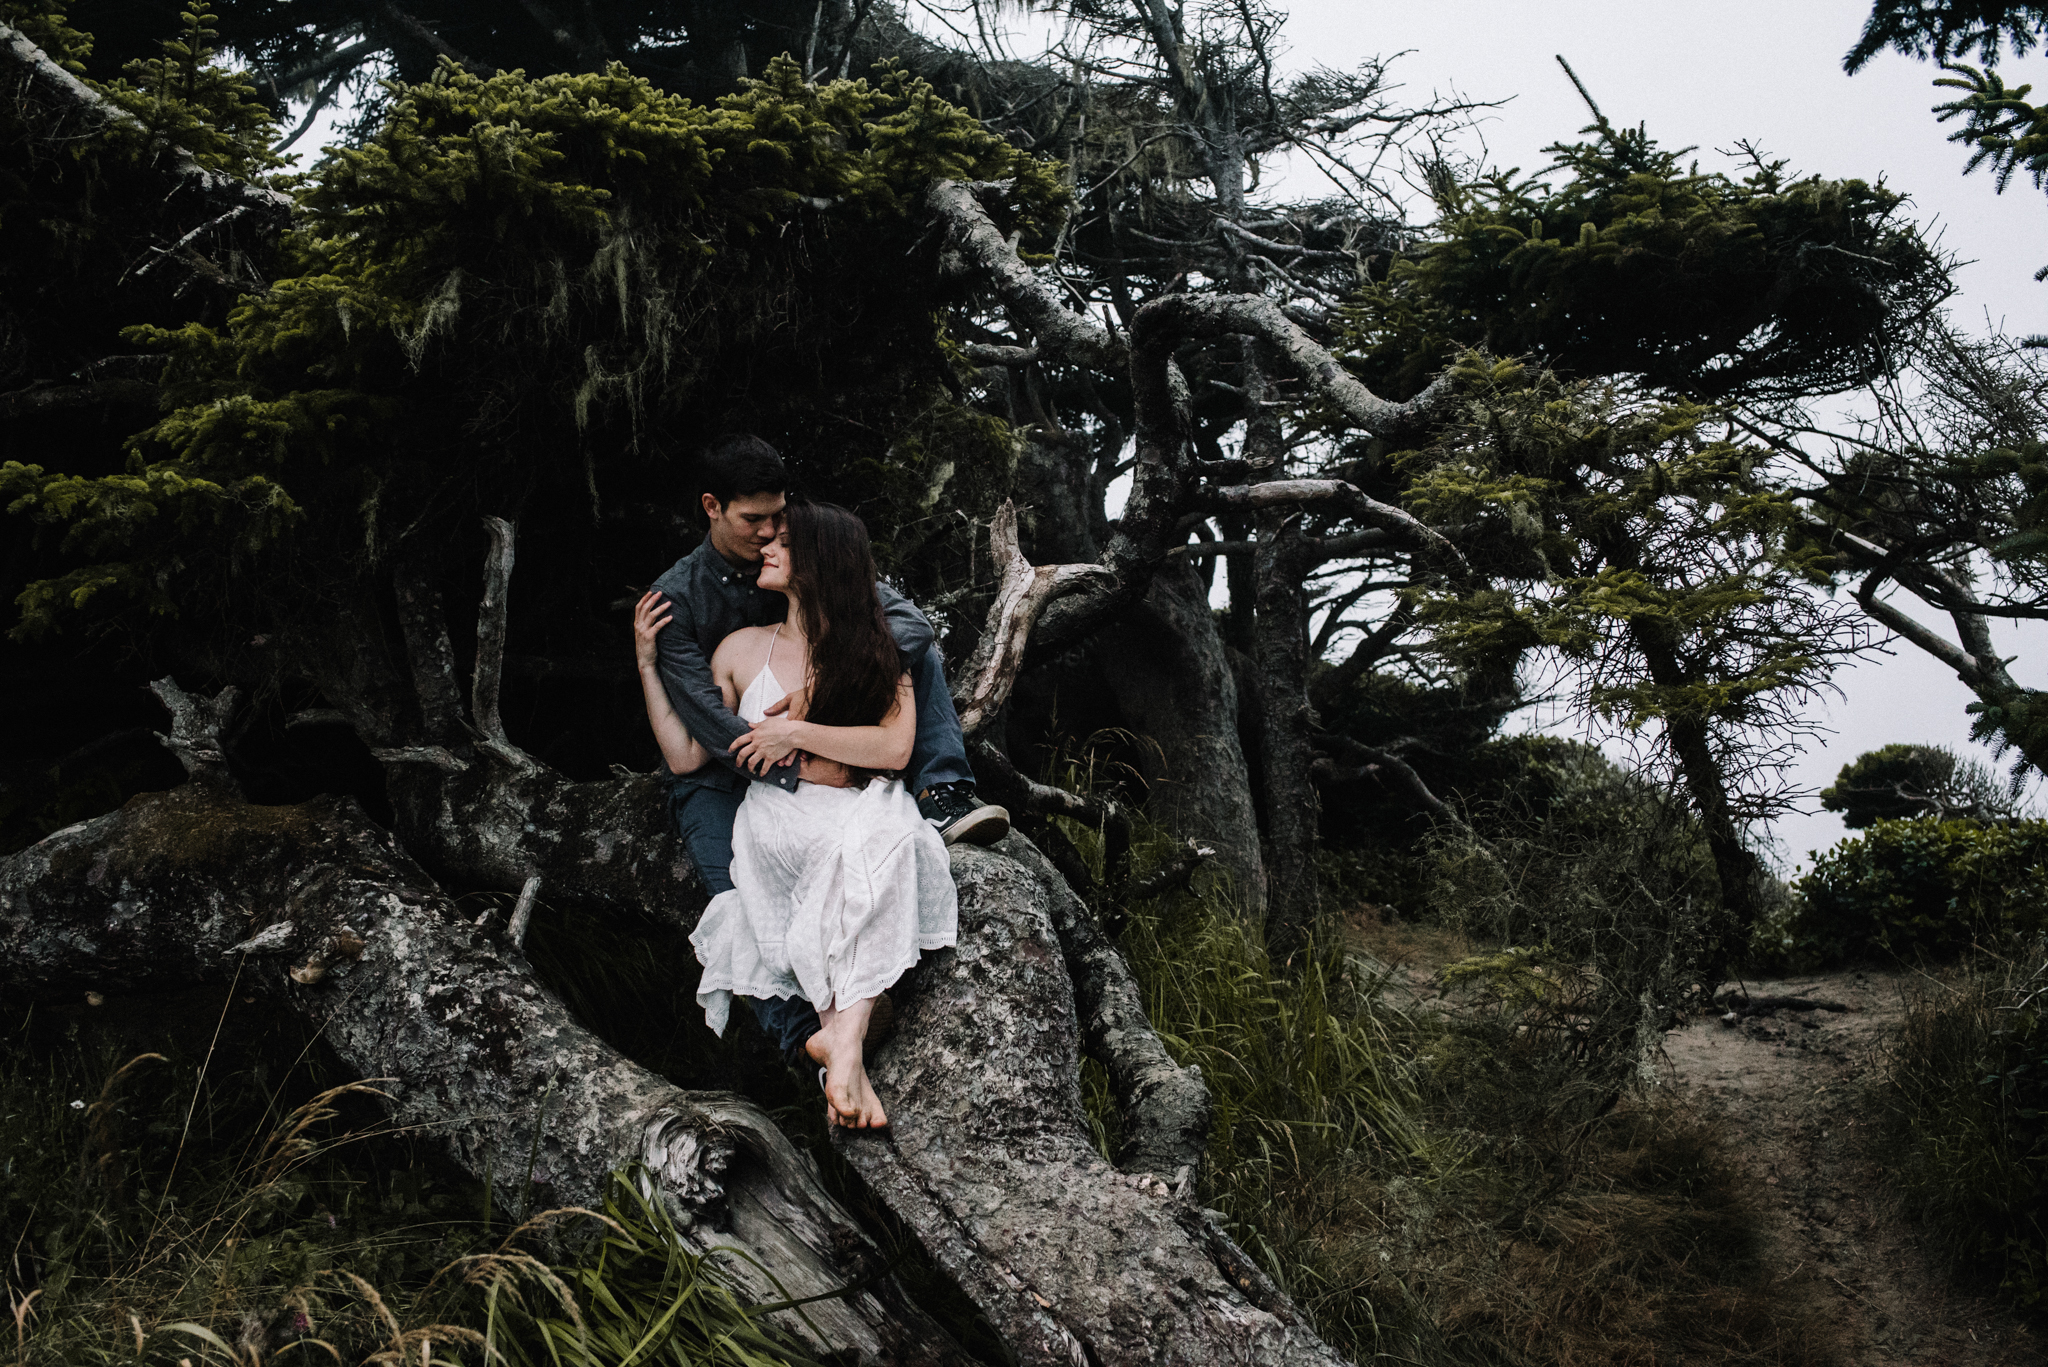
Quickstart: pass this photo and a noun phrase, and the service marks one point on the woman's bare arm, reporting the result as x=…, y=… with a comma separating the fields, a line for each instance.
x=885, y=746
x=679, y=748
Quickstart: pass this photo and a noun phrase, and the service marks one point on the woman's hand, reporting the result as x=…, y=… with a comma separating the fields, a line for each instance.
x=771, y=741
x=650, y=615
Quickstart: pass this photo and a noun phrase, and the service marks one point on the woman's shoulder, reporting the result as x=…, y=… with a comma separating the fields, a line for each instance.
x=744, y=644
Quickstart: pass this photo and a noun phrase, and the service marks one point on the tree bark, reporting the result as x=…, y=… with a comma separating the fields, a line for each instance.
x=989, y=1162
x=319, y=912
x=1736, y=866
x=1165, y=1108
x=1174, y=686
x=1286, y=753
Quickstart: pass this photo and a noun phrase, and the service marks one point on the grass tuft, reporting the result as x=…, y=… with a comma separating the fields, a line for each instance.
x=1963, y=1129
x=217, y=1205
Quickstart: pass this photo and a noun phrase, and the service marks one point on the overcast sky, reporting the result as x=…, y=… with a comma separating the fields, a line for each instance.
x=1708, y=73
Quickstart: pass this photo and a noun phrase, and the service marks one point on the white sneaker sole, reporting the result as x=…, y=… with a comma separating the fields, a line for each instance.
x=982, y=826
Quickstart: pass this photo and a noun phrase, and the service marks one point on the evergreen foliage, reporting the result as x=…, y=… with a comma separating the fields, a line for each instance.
x=1900, y=781
x=1999, y=127
x=1621, y=259
x=75, y=250
x=47, y=24
x=186, y=98
x=1941, y=29
x=523, y=286
x=1925, y=886
x=1617, y=530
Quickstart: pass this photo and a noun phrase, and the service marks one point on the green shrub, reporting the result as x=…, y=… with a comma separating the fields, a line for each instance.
x=1965, y=1106
x=1898, y=782
x=1600, y=892
x=1923, y=887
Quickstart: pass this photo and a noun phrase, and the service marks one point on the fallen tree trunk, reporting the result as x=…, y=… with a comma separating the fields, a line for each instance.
x=990, y=1163
x=317, y=910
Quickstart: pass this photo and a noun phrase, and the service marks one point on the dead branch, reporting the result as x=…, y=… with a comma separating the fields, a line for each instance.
x=522, y=912
x=1034, y=304
x=1071, y=1259
x=429, y=656
x=490, y=648
x=1217, y=315
x=1387, y=764
x=1173, y=874
x=432, y=755
x=1026, y=589
x=62, y=398
x=1029, y=795
x=1344, y=497
x=1740, y=1005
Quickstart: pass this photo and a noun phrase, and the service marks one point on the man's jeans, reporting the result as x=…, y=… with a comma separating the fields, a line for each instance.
x=703, y=818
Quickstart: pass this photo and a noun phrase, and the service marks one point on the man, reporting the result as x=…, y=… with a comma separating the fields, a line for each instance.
x=710, y=594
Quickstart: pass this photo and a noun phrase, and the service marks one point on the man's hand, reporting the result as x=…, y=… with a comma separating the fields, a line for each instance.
x=772, y=740
x=780, y=707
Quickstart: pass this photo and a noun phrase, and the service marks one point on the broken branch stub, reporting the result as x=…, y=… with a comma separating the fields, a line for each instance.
x=198, y=730
x=1026, y=589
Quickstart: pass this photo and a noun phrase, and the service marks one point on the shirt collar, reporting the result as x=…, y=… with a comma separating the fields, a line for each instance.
x=721, y=569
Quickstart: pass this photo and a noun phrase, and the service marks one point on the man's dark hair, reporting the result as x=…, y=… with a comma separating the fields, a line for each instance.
x=738, y=464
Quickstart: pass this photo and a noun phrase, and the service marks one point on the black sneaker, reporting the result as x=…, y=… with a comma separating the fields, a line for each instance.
x=959, y=814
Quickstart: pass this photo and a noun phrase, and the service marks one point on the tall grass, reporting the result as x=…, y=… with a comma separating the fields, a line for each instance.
x=221, y=1200
x=1963, y=1099
x=1480, y=1179
x=1317, y=1109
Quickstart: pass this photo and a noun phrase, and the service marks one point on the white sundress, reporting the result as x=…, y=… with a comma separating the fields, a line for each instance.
x=836, y=891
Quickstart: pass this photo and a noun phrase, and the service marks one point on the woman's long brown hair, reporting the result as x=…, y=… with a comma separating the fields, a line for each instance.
x=854, y=666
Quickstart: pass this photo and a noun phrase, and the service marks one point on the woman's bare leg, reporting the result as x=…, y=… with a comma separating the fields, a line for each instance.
x=850, y=1099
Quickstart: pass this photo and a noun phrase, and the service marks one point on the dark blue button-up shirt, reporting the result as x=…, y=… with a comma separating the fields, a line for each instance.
x=709, y=600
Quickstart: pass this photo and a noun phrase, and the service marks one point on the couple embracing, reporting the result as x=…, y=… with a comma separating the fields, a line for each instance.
x=800, y=703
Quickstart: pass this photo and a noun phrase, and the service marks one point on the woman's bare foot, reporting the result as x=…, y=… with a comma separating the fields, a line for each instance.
x=850, y=1098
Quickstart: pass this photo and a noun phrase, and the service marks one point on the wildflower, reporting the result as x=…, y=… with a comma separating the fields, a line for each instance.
x=78, y=1105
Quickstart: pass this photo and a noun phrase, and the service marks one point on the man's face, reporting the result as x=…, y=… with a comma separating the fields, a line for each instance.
x=740, y=528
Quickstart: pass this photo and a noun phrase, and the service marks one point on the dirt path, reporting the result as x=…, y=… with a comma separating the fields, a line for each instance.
x=1790, y=1082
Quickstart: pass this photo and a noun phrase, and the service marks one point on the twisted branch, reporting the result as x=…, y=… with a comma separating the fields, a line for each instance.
x=1025, y=591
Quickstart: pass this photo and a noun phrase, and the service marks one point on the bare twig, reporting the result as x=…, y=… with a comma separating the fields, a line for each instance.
x=522, y=911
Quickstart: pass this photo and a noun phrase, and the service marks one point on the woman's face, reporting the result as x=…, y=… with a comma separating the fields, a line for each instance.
x=775, y=562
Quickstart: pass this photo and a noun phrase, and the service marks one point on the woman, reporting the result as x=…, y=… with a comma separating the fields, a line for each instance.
x=841, y=884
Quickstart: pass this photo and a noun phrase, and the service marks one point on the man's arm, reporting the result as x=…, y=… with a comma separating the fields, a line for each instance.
x=914, y=635
x=686, y=677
